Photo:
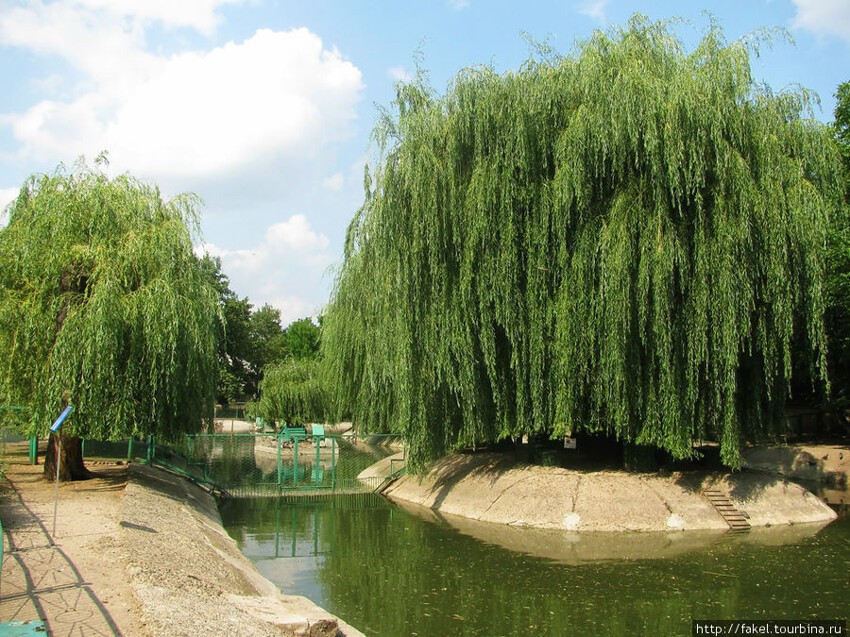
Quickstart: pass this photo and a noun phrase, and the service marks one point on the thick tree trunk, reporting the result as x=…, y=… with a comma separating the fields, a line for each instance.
x=71, y=467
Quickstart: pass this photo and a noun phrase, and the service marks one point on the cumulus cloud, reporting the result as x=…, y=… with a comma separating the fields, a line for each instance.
x=593, y=9
x=190, y=114
x=335, y=182
x=823, y=17
x=201, y=15
x=7, y=196
x=211, y=112
x=282, y=269
x=399, y=74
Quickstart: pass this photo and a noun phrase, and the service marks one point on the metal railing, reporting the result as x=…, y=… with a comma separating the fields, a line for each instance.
x=264, y=464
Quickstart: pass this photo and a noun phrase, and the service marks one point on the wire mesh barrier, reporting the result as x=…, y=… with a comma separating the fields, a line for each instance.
x=245, y=465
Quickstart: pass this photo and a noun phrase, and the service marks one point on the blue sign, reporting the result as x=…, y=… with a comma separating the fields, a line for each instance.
x=58, y=422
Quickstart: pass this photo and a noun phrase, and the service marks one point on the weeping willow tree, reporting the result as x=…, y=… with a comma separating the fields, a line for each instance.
x=104, y=305
x=624, y=241
x=292, y=392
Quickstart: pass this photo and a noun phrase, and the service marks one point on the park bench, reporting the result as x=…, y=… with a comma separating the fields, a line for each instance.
x=290, y=434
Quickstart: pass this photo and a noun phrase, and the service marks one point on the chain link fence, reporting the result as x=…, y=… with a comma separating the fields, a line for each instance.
x=245, y=465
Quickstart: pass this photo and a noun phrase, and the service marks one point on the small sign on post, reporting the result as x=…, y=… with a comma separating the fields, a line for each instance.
x=54, y=428
x=61, y=418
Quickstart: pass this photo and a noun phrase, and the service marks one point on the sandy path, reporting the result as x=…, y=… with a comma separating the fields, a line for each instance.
x=137, y=551
x=74, y=579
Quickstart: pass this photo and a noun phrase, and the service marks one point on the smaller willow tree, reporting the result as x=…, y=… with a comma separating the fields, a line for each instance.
x=625, y=241
x=104, y=305
x=292, y=392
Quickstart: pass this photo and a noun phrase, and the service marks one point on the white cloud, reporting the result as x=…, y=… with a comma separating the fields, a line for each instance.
x=823, y=17
x=100, y=45
x=399, y=74
x=593, y=9
x=196, y=114
x=293, y=308
x=7, y=196
x=335, y=182
x=459, y=5
x=211, y=112
x=285, y=269
x=200, y=15
x=296, y=234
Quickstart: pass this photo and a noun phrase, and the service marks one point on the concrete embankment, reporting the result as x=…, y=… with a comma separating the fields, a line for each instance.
x=189, y=576
x=494, y=488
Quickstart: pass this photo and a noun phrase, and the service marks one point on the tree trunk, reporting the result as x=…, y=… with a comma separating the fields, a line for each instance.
x=71, y=467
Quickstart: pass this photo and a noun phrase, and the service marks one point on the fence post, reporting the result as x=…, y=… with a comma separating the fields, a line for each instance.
x=295, y=461
x=130, y=448
x=315, y=475
x=333, y=463
x=33, y=450
x=279, y=467
x=151, y=448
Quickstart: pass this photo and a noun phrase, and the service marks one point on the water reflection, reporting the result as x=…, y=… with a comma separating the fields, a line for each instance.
x=390, y=572
x=572, y=547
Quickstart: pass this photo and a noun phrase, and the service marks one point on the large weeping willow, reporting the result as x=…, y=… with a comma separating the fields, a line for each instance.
x=103, y=304
x=625, y=241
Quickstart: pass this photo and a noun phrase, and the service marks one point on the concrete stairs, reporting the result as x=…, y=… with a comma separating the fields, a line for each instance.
x=736, y=519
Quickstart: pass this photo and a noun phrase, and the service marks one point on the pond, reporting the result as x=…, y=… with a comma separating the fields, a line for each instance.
x=390, y=571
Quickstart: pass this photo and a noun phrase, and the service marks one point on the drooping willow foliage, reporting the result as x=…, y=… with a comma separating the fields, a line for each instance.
x=103, y=303
x=626, y=240
x=292, y=392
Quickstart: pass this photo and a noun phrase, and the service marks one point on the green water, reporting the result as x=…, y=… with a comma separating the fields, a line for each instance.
x=390, y=572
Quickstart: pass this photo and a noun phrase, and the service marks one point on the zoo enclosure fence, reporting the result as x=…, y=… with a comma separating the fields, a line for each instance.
x=267, y=464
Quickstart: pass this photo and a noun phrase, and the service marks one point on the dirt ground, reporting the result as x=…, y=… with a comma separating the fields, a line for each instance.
x=136, y=551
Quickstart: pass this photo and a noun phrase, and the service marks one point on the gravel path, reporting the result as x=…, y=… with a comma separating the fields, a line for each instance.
x=137, y=551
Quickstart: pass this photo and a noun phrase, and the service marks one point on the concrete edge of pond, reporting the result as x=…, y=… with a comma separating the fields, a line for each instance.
x=493, y=488
x=188, y=574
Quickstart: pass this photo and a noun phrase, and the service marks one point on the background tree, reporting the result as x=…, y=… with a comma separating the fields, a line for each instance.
x=838, y=267
x=292, y=388
x=292, y=392
x=268, y=342
x=303, y=339
x=103, y=304
x=626, y=241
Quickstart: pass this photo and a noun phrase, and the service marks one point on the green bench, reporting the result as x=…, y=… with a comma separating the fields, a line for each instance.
x=290, y=434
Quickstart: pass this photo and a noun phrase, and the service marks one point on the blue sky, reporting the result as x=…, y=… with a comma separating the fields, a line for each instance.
x=264, y=107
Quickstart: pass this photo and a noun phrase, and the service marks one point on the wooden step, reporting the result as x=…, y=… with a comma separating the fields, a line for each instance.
x=736, y=520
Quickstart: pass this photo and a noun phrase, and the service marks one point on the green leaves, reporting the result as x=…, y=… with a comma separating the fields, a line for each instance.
x=627, y=240
x=102, y=297
x=292, y=392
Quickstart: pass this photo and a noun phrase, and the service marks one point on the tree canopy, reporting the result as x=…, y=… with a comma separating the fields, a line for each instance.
x=838, y=267
x=626, y=240
x=292, y=392
x=249, y=339
x=104, y=304
x=293, y=389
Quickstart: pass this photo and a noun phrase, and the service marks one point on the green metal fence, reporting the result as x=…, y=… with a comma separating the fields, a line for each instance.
x=245, y=465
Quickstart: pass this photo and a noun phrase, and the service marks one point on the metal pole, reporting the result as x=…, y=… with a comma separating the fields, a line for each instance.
x=295, y=465
x=279, y=467
x=333, y=463
x=316, y=466
x=56, y=489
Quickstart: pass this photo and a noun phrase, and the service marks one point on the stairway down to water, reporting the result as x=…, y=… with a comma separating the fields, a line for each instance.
x=736, y=520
